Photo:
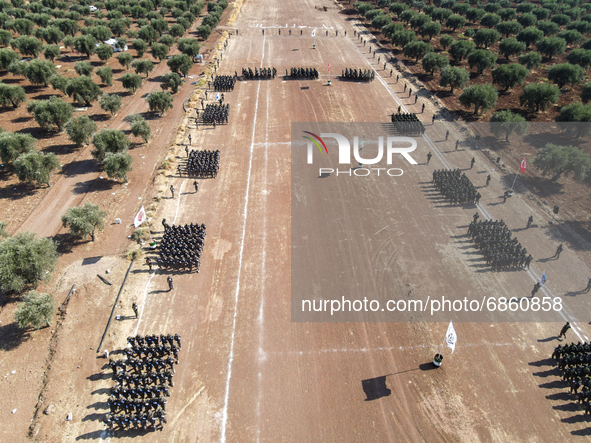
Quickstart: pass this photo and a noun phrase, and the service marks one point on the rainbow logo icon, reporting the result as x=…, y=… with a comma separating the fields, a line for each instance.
x=316, y=142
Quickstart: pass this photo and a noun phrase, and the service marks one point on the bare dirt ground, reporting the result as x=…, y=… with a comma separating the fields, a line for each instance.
x=246, y=372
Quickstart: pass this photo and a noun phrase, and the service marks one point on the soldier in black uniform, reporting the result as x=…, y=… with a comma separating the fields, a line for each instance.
x=565, y=328
x=558, y=251
x=429, y=155
x=530, y=220
x=172, y=190
x=134, y=308
x=170, y=283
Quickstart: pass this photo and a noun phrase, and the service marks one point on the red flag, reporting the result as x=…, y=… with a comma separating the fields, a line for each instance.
x=523, y=165
x=329, y=67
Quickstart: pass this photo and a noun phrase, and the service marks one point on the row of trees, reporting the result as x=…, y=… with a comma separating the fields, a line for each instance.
x=25, y=260
x=550, y=30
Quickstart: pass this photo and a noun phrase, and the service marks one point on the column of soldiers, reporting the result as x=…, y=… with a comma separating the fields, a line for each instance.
x=366, y=75
x=455, y=186
x=216, y=113
x=493, y=238
x=264, y=73
x=203, y=164
x=407, y=124
x=574, y=360
x=181, y=247
x=302, y=73
x=224, y=82
x=143, y=381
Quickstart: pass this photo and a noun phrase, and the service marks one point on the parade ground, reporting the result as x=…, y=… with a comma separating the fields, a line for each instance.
x=246, y=371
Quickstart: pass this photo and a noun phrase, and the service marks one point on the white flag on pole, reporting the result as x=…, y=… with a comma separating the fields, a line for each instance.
x=217, y=97
x=140, y=217
x=451, y=337
x=314, y=33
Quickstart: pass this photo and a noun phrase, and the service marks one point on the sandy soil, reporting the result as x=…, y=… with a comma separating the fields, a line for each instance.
x=246, y=372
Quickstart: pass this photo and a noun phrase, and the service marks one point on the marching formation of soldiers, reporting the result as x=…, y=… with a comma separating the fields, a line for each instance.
x=181, y=247
x=216, y=113
x=203, y=164
x=302, y=73
x=366, y=75
x=493, y=238
x=224, y=82
x=407, y=124
x=575, y=362
x=264, y=73
x=455, y=186
x=143, y=381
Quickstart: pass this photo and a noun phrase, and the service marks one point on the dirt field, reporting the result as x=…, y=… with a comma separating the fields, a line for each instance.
x=246, y=372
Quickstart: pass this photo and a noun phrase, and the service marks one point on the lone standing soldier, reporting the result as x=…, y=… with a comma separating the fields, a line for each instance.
x=476, y=217
x=190, y=144
x=134, y=307
x=433, y=119
x=429, y=155
x=416, y=99
x=505, y=195
x=565, y=328
x=196, y=185
x=472, y=162
x=487, y=179
x=530, y=220
x=149, y=262
x=172, y=190
x=187, y=148
x=558, y=251
x=588, y=288
x=457, y=144
x=446, y=135
x=170, y=283
x=536, y=288
x=423, y=108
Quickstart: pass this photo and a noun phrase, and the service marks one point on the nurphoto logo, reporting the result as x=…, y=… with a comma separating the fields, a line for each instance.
x=394, y=145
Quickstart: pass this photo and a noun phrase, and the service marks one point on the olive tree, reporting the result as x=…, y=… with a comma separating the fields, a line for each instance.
x=83, y=221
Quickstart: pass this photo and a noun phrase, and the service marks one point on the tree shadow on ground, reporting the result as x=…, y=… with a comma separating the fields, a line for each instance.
x=78, y=167
x=38, y=132
x=11, y=336
x=575, y=234
x=16, y=192
x=95, y=184
x=541, y=187
x=65, y=242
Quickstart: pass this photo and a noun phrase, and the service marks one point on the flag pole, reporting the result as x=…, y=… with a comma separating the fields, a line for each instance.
x=522, y=167
x=442, y=345
x=516, y=174
x=149, y=233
